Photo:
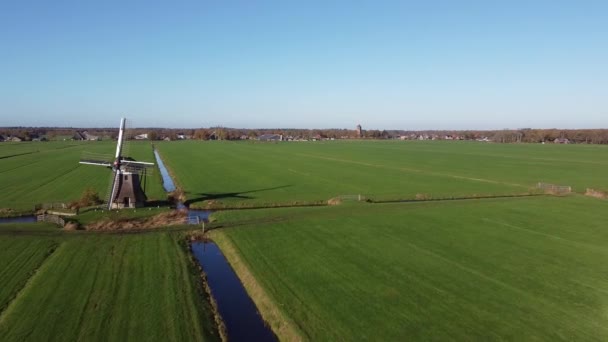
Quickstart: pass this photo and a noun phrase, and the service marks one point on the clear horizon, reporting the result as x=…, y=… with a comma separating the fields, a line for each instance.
x=396, y=66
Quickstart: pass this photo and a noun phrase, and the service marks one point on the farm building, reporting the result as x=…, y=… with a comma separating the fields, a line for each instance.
x=270, y=137
x=85, y=136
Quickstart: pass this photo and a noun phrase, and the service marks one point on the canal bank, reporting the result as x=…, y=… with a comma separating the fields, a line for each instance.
x=240, y=317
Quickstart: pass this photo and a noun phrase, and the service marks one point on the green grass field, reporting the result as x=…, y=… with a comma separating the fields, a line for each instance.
x=501, y=269
x=240, y=174
x=45, y=172
x=99, y=287
x=527, y=268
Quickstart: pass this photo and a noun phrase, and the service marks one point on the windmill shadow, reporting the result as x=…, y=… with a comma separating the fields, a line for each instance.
x=202, y=196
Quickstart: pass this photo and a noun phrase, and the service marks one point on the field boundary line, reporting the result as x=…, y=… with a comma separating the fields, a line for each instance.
x=51, y=181
x=282, y=326
x=462, y=198
x=20, y=166
x=18, y=154
x=412, y=170
x=28, y=283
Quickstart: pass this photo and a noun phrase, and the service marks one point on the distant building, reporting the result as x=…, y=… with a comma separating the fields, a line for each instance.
x=141, y=136
x=85, y=136
x=561, y=141
x=270, y=137
x=1, y=138
x=15, y=139
x=359, y=131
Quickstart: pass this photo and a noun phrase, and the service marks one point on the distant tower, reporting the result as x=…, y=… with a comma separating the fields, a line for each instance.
x=359, y=131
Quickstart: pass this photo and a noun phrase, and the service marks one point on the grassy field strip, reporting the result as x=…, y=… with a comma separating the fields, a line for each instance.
x=532, y=231
x=412, y=170
x=407, y=169
x=282, y=326
x=529, y=296
x=31, y=163
x=253, y=175
x=19, y=260
x=417, y=149
x=439, y=156
x=434, y=270
x=136, y=287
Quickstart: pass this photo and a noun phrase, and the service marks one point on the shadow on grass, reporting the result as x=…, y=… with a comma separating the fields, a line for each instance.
x=159, y=203
x=223, y=195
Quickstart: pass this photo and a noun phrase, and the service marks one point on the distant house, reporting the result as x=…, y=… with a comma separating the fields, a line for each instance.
x=181, y=136
x=15, y=139
x=90, y=137
x=167, y=139
x=143, y=136
x=80, y=136
x=561, y=141
x=270, y=137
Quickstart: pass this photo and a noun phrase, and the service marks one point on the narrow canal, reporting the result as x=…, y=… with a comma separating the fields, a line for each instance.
x=18, y=219
x=241, y=318
x=240, y=315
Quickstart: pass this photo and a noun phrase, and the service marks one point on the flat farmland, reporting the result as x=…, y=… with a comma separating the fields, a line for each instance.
x=241, y=174
x=42, y=172
x=97, y=287
x=19, y=259
x=500, y=269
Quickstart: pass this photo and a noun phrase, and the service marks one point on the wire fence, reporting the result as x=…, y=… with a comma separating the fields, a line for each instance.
x=554, y=189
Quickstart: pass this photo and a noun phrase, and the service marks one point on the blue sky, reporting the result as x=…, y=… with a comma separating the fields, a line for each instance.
x=306, y=64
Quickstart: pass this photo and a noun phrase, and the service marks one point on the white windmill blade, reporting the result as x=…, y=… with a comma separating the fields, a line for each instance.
x=121, y=137
x=127, y=162
x=95, y=162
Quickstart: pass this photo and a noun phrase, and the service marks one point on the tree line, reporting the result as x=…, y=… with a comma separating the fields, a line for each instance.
x=526, y=135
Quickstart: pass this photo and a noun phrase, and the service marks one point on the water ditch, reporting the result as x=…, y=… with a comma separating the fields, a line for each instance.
x=18, y=219
x=241, y=318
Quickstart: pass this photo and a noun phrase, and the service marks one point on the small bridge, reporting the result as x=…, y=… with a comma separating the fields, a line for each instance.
x=56, y=219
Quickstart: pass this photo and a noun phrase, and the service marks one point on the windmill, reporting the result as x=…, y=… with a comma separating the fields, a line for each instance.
x=125, y=190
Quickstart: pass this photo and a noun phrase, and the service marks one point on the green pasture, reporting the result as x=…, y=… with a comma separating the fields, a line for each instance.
x=44, y=172
x=241, y=174
x=528, y=268
x=501, y=269
x=99, y=287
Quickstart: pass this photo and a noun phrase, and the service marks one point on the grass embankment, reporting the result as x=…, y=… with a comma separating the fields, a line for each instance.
x=101, y=287
x=45, y=172
x=243, y=174
x=514, y=269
